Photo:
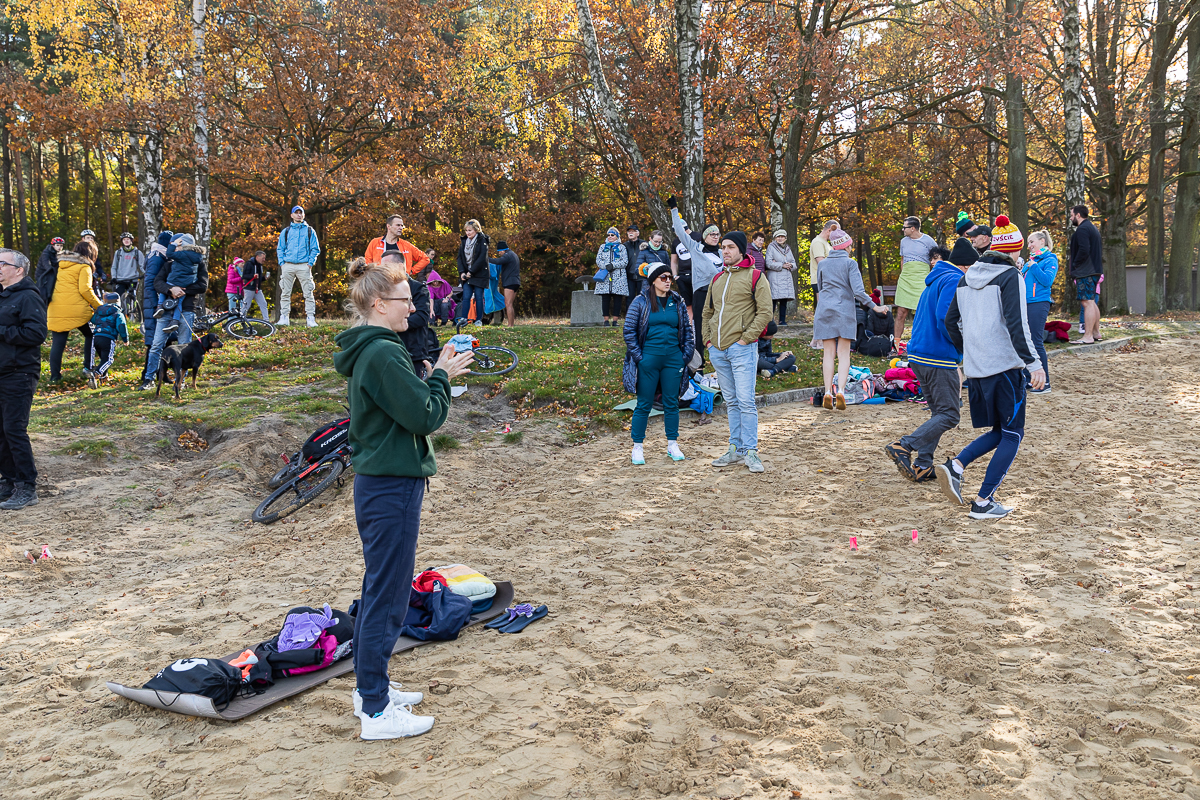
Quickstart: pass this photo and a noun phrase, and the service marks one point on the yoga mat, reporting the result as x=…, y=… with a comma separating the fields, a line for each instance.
x=199, y=706
x=629, y=405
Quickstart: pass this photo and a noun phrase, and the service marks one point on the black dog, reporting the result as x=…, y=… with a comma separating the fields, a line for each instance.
x=179, y=358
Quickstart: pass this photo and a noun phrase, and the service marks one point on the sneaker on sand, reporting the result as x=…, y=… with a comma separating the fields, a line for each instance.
x=394, y=722
x=923, y=474
x=840, y=402
x=731, y=457
x=827, y=403
x=950, y=481
x=901, y=456
x=1044, y=390
x=24, y=494
x=638, y=457
x=752, y=461
x=989, y=510
x=674, y=452
x=397, y=697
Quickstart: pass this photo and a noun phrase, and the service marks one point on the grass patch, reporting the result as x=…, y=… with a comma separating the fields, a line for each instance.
x=93, y=448
x=444, y=441
x=514, y=437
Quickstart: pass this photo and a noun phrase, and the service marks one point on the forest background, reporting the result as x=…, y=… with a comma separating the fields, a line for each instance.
x=550, y=120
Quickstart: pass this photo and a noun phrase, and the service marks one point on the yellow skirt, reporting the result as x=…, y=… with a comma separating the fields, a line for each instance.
x=911, y=283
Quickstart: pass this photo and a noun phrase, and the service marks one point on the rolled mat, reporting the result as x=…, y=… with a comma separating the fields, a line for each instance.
x=911, y=283
x=199, y=706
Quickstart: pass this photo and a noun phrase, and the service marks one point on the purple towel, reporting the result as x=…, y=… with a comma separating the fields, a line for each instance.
x=302, y=630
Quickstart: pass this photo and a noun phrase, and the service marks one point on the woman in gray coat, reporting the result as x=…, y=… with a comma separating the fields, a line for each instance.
x=612, y=257
x=781, y=263
x=835, y=325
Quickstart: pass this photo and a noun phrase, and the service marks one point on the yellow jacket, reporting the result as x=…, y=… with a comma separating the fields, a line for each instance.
x=73, y=300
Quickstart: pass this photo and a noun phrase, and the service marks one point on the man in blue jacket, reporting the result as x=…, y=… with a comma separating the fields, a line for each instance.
x=935, y=360
x=297, y=252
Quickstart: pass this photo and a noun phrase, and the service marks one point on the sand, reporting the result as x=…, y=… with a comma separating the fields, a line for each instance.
x=712, y=635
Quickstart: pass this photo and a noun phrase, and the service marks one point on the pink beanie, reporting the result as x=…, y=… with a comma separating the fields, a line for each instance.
x=840, y=240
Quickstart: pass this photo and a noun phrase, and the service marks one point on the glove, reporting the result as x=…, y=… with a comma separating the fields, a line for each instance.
x=672, y=203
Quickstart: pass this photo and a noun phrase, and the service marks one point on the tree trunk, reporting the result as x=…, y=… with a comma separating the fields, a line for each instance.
x=87, y=189
x=614, y=119
x=146, y=153
x=1110, y=137
x=993, y=157
x=1074, y=187
x=1187, y=192
x=39, y=189
x=775, y=166
x=121, y=189
x=21, y=216
x=6, y=176
x=1161, y=37
x=107, y=201
x=64, y=192
x=1014, y=111
x=203, y=201
x=691, y=110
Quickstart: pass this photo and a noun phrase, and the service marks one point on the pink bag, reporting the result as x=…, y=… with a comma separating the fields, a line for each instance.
x=325, y=642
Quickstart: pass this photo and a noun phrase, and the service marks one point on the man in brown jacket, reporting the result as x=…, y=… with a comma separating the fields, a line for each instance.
x=736, y=311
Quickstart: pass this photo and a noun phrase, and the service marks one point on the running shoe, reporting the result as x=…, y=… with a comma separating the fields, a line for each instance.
x=989, y=510
x=752, y=461
x=394, y=722
x=950, y=481
x=765, y=374
x=637, y=456
x=902, y=457
x=731, y=457
x=93, y=380
x=397, y=697
x=923, y=474
x=1044, y=390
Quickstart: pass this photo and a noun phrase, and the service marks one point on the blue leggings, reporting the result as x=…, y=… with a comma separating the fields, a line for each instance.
x=658, y=371
x=1005, y=442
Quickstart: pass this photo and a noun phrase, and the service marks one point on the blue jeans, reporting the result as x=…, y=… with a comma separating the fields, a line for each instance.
x=233, y=301
x=388, y=512
x=160, y=341
x=464, y=307
x=1035, y=315
x=736, y=373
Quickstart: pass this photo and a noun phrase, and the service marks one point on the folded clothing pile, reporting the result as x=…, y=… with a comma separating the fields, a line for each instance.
x=475, y=586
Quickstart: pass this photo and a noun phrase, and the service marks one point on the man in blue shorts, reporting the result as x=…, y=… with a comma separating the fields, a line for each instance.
x=986, y=323
x=1087, y=269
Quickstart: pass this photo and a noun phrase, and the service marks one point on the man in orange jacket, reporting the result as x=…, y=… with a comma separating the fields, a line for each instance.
x=413, y=256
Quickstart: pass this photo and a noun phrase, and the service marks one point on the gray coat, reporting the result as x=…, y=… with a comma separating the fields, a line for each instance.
x=781, y=262
x=839, y=284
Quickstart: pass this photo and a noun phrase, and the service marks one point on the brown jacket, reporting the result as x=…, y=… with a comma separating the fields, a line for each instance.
x=736, y=309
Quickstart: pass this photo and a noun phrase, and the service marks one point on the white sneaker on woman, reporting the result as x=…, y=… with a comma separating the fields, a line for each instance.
x=394, y=694
x=394, y=722
x=674, y=452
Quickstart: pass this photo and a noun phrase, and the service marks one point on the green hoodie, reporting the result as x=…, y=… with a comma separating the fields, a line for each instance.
x=392, y=411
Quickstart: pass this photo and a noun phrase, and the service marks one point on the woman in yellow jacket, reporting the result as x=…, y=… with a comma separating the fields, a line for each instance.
x=71, y=305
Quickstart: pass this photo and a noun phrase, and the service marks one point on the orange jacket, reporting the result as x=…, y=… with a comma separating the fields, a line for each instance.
x=415, y=260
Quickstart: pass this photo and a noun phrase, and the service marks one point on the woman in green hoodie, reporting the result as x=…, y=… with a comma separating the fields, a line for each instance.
x=392, y=414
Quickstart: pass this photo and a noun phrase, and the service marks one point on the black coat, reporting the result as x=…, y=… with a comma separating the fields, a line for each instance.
x=510, y=269
x=189, y=292
x=1087, y=258
x=416, y=338
x=252, y=275
x=480, y=274
x=22, y=329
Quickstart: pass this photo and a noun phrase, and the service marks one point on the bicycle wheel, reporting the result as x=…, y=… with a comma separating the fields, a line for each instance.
x=244, y=328
x=298, y=492
x=286, y=472
x=493, y=361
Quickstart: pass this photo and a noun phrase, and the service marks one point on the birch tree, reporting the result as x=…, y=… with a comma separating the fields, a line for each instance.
x=200, y=95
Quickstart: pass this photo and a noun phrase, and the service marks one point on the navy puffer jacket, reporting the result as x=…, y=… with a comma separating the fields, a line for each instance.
x=637, y=325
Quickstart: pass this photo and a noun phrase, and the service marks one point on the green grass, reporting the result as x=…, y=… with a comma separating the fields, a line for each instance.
x=514, y=437
x=93, y=448
x=444, y=441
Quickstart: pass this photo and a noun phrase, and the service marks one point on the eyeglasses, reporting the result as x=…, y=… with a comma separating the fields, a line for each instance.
x=666, y=278
x=408, y=299
x=8, y=264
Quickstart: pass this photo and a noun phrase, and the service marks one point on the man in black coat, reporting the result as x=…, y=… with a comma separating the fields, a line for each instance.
x=22, y=331
x=1087, y=267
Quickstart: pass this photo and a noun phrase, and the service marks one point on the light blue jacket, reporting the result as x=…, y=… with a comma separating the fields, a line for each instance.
x=1039, y=272
x=298, y=245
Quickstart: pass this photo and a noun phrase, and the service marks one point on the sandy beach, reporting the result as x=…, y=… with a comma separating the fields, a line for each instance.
x=711, y=633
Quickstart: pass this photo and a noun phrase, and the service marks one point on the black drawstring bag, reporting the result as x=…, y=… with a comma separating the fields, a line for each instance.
x=207, y=677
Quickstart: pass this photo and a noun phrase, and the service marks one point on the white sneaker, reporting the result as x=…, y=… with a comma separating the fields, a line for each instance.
x=283, y=321
x=394, y=694
x=674, y=452
x=394, y=722
x=312, y=323
x=478, y=324
x=638, y=457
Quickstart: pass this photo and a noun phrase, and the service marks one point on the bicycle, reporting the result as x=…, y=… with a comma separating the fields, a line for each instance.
x=489, y=360
x=236, y=325
x=131, y=303
x=305, y=485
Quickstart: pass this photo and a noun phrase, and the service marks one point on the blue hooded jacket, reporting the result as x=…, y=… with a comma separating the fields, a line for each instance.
x=930, y=343
x=297, y=245
x=158, y=257
x=1039, y=272
x=109, y=323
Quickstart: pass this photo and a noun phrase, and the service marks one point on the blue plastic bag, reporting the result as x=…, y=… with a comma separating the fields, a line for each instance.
x=436, y=616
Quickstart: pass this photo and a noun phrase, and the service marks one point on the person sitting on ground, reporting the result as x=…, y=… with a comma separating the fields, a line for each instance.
x=737, y=309
x=392, y=415
x=770, y=363
x=659, y=341
x=185, y=258
x=987, y=324
x=935, y=361
x=108, y=325
x=835, y=325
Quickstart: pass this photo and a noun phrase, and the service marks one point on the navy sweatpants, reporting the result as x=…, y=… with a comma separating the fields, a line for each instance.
x=388, y=513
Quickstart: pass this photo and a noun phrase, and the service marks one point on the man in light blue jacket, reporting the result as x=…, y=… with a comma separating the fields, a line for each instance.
x=297, y=252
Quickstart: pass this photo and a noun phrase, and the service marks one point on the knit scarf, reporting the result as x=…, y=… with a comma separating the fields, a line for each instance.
x=469, y=247
x=782, y=252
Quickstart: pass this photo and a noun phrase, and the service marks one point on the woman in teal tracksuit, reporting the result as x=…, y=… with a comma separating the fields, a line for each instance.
x=1039, y=272
x=392, y=414
x=659, y=342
